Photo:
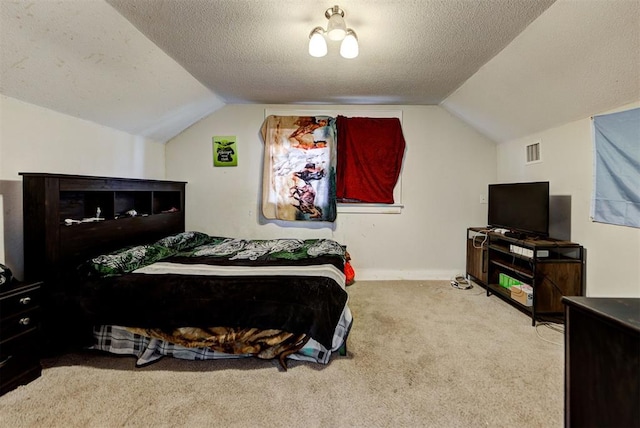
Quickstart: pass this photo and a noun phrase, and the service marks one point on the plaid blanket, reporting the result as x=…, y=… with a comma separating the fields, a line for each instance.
x=123, y=341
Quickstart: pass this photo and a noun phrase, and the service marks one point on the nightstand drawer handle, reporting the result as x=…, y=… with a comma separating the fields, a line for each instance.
x=5, y=361
x=24, y=321
x=25, y=300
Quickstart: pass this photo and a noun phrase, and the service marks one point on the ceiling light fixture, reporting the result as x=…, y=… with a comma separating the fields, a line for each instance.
x=336, y=30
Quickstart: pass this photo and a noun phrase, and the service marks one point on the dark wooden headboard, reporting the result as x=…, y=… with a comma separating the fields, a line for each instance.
x=51, y=245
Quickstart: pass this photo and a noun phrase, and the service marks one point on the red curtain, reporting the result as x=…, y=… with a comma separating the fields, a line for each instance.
x=369, y=158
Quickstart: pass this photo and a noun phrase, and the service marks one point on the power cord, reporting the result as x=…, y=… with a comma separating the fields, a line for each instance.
x=461, y=283
x=485, y=235
x=551, y=326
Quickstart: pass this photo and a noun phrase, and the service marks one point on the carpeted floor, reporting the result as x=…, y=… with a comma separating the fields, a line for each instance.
x=420, y=354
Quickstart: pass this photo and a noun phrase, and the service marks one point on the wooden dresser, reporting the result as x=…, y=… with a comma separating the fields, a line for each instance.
x=602, y=362
x=19, y=334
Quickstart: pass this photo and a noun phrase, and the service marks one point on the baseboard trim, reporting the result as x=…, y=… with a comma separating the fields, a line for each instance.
x=395, y=275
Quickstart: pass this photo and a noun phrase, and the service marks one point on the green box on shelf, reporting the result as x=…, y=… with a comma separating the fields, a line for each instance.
x=503, y=280
x=506, y=281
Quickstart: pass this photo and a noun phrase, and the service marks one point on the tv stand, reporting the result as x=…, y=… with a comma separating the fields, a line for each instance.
x=515, y=235
x=477, y=260
x=552, y=267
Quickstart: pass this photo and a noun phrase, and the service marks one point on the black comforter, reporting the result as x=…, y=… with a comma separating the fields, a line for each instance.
x=285, y=298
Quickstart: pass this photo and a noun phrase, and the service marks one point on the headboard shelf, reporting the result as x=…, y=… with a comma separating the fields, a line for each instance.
x=110, y=235
x=53, y=204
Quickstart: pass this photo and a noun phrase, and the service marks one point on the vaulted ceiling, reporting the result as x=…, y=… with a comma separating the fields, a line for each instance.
x=154, y=67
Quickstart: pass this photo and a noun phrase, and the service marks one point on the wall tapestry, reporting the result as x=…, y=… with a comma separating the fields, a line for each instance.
x=299, y=168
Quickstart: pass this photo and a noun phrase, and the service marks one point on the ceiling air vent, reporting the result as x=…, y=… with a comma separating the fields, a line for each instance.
x=533, y=153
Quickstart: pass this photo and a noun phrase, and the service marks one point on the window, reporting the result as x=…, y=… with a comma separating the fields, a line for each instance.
x=616, y=194
x=396, y=207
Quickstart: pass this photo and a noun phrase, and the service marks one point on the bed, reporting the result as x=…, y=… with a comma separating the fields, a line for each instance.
x=141, y=285
x=196, y=296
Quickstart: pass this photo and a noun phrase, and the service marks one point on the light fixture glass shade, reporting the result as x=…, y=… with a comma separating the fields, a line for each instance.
x=336, y=29
x=349, y=46
x=317, y=43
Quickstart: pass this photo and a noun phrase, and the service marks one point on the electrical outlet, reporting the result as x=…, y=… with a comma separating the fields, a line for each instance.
x=483, y=199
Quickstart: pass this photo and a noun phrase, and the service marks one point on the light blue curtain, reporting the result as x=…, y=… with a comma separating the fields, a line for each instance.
x=616, y=193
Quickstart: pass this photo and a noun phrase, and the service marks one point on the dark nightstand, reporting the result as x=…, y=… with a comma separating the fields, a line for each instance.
x=19, y=334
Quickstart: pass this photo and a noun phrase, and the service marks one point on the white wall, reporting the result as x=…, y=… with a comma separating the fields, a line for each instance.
x=447, y=167
x=613, y=252
x=34, y=139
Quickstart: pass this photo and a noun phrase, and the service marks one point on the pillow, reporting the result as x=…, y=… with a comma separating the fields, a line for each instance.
x=125, y=260
x=184, y=241
x=321, y=247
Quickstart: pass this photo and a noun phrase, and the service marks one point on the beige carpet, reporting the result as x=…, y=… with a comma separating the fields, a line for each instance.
x=421, y=354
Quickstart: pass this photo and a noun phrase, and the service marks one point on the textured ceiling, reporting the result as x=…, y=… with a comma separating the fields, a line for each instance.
x=580, y=58
x=411, y=52
x=154, y=67
x=82, y=58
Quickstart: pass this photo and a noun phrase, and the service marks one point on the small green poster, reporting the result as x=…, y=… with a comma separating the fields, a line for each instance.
x=225, y=152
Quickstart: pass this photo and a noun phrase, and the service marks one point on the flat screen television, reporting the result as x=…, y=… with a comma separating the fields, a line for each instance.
x=520, y=207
